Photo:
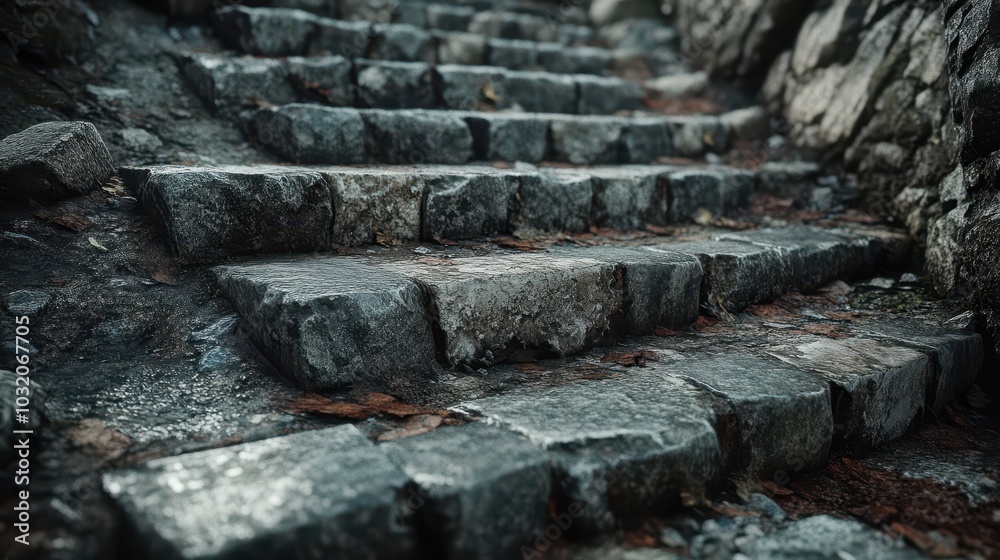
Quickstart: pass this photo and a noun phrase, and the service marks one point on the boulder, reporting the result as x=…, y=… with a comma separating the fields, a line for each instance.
x=53, y=160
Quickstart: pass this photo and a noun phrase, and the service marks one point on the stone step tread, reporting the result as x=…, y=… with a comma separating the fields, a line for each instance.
x=211, y=213
x=229, y=83
x=309, y=133
x=340, y=320
x=585, y=443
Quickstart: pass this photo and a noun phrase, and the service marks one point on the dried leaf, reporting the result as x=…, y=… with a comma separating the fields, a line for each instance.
x=776, y=488
x=520, y=245
x=664, y=332
x=830, y=331
x=163, y=277
x=96, y=438
x=318, y=404
x=659, y=230
x=74, y=221
x=412, y=426
x=95, y=243
x=533, y=368
x=630, y=359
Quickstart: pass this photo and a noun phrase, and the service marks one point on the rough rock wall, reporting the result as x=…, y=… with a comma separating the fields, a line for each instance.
x=972, y=227
x=857, y=82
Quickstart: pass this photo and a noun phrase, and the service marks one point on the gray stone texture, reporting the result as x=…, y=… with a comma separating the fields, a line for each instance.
x=465, y=206
x=12, y=389
x=621, y=447
x=395, y=85
x=329, y=492
x=266, y=31
x=350, y=39
x=413, y=136
x=53, y=160
x=210, y=214
x=628, y=198
x=586, y=140
x=508, y=136
x=550, y=202
x=606, y=96
x=306, y=133
x=482, y=491
x=331, y=322
x=373, y=204
x=402, y=42
x=469, y=88
x=487, y=308
x=721, y=191
x=542, y=92
x=228, y=83
x=326, y=76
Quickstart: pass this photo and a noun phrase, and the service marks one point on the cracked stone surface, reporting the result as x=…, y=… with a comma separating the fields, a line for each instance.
x=330, y=489
x=53, y=160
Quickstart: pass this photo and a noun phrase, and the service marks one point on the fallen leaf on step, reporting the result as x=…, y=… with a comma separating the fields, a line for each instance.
x=96, y=438
x=413, y=426
x=74, y=221
x=95, y=243
x=630, y=359
x=520, y=245
x=659, y=230
x=704, y=217
x=389, y=404
x=533, y=368
x=664, y=332
x=163, y=277
x=776, y=488
x=830, y=331
x=318, y=404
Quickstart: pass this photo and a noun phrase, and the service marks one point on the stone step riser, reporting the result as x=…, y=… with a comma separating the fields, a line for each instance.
x=208, y=214
x=311, y=134
x=229, y=84
x=482, y=310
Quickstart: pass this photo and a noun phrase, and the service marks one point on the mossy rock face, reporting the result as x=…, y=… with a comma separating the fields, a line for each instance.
x=895, y=300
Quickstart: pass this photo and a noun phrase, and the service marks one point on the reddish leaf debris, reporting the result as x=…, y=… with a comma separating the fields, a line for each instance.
x=630, y=359
x=74, y=221
x=899, y=506
x=367, y=406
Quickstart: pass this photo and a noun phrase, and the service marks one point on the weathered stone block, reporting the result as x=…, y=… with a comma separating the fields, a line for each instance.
x=474, y=87
x=628, y=198
x=325, y=76
x=646, y=140
x=460, y=48
x=468, y=205
x=605, y=96
x=409, y=137
x=784, y=416
x=621, y=447
x=402, y=42
x=306, y=133
x=693, y=136
x=329, y=322
x=485, y=490
x=375, y=205
x=349, y=39
x=211, y=213
x=266, y=31
x=720, y=191
x=508, y=136
x=878, y=388
x=542, y=92
x=228, y=83
x=586, y=140
x=332, y=492
x=53, y=160
x=395, y=85
x=661, y=287
x=791, y=179
x=487, y=308
x=552, y=202
x=512, y=54
x=573, y=60
x=449, y=17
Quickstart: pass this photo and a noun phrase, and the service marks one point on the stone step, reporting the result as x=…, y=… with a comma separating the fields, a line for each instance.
x=314, y=134
x=443, y=35
x=211, y=213
x=585, y=445
x=228, y=84
x=334, y=321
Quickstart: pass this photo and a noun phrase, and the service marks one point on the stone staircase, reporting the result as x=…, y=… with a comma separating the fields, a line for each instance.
x=419, y=139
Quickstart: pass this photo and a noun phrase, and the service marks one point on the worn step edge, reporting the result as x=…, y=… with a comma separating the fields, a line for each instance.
x=485, y=309
x=210, y=213
x=607, y=451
